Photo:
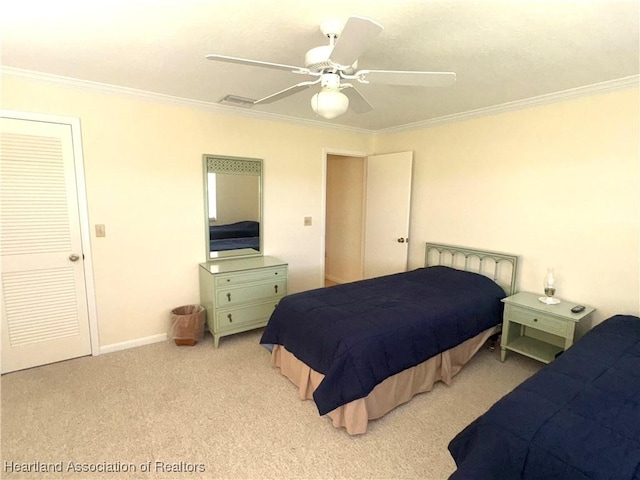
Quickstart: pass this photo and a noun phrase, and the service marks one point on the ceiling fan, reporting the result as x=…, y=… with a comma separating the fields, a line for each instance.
x=338, y=61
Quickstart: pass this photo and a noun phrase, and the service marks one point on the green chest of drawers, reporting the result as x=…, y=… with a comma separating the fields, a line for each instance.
x=241, y=294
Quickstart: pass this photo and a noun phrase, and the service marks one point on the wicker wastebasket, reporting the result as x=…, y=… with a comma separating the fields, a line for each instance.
x=187, y=324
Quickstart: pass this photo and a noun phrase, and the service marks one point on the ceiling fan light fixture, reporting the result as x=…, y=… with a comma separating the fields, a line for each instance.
x=329, y=103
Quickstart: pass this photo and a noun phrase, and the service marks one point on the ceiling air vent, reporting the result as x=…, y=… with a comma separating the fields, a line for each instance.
x=236, y=101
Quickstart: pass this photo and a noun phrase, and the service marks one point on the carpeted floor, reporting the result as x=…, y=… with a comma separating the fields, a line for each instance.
x=162, y=411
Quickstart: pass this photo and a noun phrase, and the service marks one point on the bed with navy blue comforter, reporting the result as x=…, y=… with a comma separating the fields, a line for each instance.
x=358, y=334
x=232, y=236
x=577, y=418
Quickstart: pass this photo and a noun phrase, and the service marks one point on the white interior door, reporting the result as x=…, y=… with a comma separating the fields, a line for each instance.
x=44, y=298
x=387, y=213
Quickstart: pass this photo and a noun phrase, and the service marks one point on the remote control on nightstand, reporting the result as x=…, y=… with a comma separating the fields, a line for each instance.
x=577, y=308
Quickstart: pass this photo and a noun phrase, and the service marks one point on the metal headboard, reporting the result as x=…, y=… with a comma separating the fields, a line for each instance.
x=485, y=262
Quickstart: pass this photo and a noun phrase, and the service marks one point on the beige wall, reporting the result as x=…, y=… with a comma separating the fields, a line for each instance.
x=344, y=218
x=557, y=184
x=143, y=163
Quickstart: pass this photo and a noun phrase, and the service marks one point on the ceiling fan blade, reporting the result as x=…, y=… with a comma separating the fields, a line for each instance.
x=354, y=40
x=257, y=63
x=409, y=78
x=286, y=92
x=357, y=102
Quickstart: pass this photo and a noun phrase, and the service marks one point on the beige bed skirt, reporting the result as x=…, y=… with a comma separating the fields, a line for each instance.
x=395, y=390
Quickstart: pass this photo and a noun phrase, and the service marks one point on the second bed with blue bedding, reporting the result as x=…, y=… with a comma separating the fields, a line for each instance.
x=577, y=418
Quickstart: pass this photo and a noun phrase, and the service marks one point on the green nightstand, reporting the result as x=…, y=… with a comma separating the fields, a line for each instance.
x=538, y=330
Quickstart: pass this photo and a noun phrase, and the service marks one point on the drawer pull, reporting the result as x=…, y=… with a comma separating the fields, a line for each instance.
x=229, y=296
x=535, y=319
x=275, y=287
x=230, y=318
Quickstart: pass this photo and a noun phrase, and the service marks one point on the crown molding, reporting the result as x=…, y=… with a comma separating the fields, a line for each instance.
x=597, y=88
x=169, y=99
x=572, y=93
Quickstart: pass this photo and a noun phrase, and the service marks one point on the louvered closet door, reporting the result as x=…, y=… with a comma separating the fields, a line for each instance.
x=44, y=305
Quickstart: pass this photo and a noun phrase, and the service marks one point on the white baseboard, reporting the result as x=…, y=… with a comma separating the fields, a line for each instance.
x=138, y=342
x=335, y=279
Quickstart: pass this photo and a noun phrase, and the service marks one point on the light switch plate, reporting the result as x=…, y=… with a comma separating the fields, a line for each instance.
x=307, y=221
x=100, y=231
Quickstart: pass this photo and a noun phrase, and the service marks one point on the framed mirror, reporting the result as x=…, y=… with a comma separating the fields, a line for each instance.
x=233, y=206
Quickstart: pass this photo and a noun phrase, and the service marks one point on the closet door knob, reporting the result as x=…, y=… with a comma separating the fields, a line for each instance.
x=74, y=257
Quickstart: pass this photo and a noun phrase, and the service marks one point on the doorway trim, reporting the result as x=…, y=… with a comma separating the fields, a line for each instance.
x=81, y=193
x=323, y=214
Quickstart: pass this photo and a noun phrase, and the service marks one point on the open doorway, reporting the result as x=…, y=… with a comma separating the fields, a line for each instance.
x=344, y=218
x=367, y=213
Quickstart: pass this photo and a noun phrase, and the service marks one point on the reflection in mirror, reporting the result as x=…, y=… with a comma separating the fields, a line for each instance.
x=233, y=206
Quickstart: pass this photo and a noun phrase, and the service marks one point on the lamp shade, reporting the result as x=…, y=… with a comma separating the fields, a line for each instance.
x=329, y=103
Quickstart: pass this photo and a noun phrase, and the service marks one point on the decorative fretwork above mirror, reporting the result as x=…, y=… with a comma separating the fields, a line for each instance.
x=233, y=206
x=240, y=166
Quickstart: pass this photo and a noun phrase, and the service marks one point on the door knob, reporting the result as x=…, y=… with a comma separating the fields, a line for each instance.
x=74, y=257
x=402, y=240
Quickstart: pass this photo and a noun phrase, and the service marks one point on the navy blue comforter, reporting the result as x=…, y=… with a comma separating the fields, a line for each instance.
x=577, y=418
x=243, y=229
x=358, y=334
x=232, y=236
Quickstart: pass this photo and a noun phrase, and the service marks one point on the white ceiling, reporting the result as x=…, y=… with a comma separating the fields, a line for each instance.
x=502, y=51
